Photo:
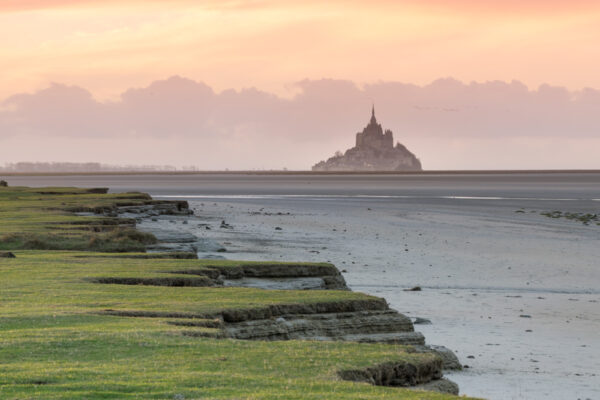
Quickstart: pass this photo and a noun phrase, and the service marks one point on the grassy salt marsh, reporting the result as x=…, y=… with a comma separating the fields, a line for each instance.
x=58, y=339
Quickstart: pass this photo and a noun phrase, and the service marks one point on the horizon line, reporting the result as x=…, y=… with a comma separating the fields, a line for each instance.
x=309, y=172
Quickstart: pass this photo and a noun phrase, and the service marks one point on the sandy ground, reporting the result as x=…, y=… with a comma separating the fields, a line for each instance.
x=515, y=294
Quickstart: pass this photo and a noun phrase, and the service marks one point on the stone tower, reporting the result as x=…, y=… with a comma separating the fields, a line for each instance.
x=373, y=136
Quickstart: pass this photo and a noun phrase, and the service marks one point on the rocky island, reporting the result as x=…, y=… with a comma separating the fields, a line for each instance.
x=374, y=151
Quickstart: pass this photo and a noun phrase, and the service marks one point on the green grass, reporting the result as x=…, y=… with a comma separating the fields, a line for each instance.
x=103, y=357
x=59, y=280
x=44, y=219
x=57, y=342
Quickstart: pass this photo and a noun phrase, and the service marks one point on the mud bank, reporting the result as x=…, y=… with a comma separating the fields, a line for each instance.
x=371, y=321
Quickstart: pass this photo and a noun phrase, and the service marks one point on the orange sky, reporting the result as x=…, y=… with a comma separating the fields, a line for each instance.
x=107, y=46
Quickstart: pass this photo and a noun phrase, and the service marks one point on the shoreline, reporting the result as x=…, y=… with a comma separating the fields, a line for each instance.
x=314, y=173
x=454, y=247
x=344, y=326
x=84, y=305
x=358, y=240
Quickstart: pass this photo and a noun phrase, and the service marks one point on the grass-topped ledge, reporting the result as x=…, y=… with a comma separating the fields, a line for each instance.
x=67, y=331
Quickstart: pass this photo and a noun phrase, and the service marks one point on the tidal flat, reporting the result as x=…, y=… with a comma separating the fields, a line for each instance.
x=513, y=292
x=515, y=296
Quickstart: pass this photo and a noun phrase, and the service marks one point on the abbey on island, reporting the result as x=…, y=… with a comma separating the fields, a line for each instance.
x=374, y=151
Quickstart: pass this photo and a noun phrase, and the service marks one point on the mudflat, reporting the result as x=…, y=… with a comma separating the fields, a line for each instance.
x=512, y=291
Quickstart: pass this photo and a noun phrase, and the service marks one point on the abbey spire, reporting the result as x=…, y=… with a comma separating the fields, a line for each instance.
x=373, y=119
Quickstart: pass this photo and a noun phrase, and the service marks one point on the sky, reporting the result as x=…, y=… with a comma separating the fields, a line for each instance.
x=465, y=84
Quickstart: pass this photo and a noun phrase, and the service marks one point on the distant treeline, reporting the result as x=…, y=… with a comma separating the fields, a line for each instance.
x=43, y=167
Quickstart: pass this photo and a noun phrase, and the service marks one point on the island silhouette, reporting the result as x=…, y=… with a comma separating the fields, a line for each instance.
x=374, y=151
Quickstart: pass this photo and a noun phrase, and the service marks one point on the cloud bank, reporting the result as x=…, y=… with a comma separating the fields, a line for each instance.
x=178, y=121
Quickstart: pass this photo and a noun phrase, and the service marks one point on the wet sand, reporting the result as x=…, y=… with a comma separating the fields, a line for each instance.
x=516, y=291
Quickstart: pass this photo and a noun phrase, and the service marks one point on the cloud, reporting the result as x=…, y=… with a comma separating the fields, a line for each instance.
x=57, y=110
x=253, y=128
